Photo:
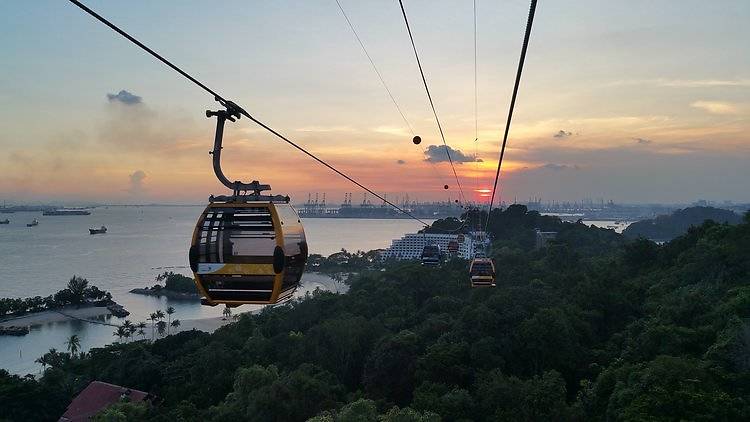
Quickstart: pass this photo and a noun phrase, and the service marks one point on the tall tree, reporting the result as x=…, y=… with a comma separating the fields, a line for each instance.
x=77, y=288
x=170, y=311
x=74, y=344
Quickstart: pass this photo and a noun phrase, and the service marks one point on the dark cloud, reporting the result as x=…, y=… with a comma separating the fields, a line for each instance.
x=124, y=97
x=437, y=154
x=558, y=167
x=642, y=141
x=400, y=162
x=562, y=134
x=136, y=182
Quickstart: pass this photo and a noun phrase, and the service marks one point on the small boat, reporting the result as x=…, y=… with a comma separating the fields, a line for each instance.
x=33, y=223
x=100, y=230
x=6, y=221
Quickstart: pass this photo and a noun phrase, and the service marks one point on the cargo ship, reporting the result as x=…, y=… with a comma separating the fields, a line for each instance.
x=67, y=211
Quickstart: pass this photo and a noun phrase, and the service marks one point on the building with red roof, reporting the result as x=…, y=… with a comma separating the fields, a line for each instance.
x=98, y=396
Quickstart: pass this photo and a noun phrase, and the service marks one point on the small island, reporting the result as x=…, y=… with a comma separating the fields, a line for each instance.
x=176, y=286
x=78, y=301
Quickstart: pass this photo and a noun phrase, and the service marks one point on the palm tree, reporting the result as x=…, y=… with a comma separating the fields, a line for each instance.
x=77, y=287
x=152, y=317
x=227, y=312
x=74, y=344
x=52, y=358
x=175, y=323
x=43, y=360
x=170, y=311
x=128, y=329
x=161, y=327
x=141, y=329
x=119, y=333
x=131, y=330
x=159, y=314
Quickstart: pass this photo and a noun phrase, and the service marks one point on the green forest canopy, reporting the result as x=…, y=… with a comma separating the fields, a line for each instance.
x=590, y=328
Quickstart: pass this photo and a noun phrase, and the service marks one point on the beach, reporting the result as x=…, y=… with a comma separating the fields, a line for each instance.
x=97, y=313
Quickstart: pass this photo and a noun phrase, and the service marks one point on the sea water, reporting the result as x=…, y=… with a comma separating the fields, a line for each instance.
x=141, y=242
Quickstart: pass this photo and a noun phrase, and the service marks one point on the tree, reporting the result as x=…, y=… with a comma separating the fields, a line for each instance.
x=153, y=319
x=227, y=312
x=142, y=329
x=120, y=332
x=502, y=397
x=122, y=411
x=671, y=388
x=263, y=394
x=175, y=323
x=42, y=360
x=74, y=344
x=53, y=358
x=170, y=311
x=389, y=371
x=161, y=328
x=128, y=329
x=77, y=288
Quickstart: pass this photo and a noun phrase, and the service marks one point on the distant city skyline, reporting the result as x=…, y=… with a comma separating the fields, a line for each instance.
x=638, y=102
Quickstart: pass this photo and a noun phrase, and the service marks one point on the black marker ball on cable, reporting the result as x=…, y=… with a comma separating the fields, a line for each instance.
x=417, y=140
x=445, y=187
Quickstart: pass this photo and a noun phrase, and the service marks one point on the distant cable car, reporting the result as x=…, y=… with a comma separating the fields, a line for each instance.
x=431, y=255
x=482, y=272
x=246, y=247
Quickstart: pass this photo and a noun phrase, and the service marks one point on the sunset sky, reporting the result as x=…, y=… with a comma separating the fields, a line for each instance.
x=637, y=101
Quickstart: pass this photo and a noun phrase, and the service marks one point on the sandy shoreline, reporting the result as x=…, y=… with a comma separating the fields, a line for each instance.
x=100, y=313
x=62, y=314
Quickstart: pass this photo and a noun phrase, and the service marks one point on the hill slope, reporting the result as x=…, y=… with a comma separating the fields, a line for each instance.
x=667, y=227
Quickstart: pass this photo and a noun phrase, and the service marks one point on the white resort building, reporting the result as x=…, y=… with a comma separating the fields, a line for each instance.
x=411, y=245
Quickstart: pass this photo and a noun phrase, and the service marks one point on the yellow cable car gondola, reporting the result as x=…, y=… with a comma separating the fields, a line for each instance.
x=247, y=248
x=482, y=272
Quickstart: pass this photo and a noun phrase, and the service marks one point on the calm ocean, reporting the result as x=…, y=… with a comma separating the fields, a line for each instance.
x=141, y=242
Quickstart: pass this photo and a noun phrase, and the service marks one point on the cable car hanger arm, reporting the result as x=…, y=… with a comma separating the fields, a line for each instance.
x=232, y=113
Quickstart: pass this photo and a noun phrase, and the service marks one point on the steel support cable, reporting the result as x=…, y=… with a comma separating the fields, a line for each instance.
x=432, y=104
x=476, y=112
x=527, y=35
x=382, y=81
x=242, y=111
x=375, y=68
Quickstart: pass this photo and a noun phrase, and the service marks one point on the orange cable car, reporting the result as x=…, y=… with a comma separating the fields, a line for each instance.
x=247, y=248
x=482, y=272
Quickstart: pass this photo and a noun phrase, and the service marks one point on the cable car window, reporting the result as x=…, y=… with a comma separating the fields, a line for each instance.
x=249, y=236
x=208, y=243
